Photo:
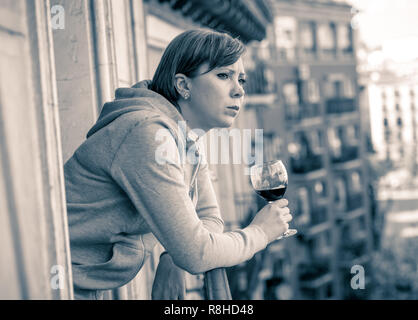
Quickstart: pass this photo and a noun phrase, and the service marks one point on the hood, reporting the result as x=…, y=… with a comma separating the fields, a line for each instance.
x=132, y=99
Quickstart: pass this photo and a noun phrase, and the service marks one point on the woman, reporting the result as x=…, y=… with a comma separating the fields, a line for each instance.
x=128, y=185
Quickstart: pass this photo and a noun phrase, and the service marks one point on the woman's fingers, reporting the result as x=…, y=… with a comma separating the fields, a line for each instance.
x=281, y=203
x=284, y=211
x=287, y=217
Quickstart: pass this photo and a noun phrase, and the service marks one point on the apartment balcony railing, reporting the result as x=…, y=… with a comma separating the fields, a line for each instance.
x=312, y=270
x=340, y=105
x=318, y=215
x=305, y=165
x=354, y=201
x=347, y=153
x=352, y=249
x=313, y=276
x=302, y=111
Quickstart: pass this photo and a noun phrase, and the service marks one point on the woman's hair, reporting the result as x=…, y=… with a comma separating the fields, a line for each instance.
x=187, y=52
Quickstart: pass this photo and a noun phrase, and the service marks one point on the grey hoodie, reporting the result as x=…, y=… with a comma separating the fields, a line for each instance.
x=121, y=196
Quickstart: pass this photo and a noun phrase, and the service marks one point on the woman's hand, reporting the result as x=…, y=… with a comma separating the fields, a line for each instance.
x=273, y=219
x=169, y=282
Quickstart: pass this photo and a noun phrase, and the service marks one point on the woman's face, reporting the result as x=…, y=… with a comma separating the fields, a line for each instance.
x=216, y=96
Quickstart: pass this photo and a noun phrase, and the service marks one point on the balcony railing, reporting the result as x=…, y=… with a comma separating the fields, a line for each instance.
x=340, y=105
x=305, y=165
x=302, y=111
x=354, y=201
x=318, y=215
x=309, y=272
x=348, y=153
x=351, y=250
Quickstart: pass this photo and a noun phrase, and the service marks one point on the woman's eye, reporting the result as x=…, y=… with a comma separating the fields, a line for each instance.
x=242, y=81
x=223, y=75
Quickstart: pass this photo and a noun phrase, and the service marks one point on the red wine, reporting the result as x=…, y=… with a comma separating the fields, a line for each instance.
x=272, y=194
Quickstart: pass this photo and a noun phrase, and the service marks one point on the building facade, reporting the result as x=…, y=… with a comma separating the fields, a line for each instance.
x=393, y=101
x=317, y=120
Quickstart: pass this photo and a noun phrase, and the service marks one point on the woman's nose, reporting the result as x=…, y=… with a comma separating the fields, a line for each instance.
x=238, y=91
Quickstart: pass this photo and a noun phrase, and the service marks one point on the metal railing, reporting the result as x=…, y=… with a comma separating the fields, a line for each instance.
x=340, y=105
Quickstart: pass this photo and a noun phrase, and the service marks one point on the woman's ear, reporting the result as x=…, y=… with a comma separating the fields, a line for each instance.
x=182, y=84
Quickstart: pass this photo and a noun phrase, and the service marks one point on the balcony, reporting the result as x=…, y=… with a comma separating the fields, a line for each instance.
x=313, y=270
x=354, y=201
x=319, y=215
x=306, y=165
x=353, y=252
x=348, y=165
x=350, y=215
x=302, y=111
x=313, y=230
x=347, y=153
x=340, y=105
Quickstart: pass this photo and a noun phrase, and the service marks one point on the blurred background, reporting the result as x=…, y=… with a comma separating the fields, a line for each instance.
x=333, y=85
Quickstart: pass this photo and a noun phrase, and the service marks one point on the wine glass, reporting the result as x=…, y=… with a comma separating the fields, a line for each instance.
x=269, y=181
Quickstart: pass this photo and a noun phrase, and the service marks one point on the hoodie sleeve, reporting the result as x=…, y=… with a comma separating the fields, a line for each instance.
x=151, y=174
x=207, y=206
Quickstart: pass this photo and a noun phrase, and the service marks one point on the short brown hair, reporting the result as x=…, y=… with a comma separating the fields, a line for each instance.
x=187, y=52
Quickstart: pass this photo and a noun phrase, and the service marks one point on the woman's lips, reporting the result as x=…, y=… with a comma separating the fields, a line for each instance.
x=236, y=108
x=232, y=110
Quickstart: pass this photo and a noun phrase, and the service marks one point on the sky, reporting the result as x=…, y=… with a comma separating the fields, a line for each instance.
x=392, y=24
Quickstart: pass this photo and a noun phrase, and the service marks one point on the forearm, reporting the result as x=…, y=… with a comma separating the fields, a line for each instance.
x=221, y=250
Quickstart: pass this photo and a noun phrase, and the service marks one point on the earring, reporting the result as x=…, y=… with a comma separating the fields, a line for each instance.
x=186, y=95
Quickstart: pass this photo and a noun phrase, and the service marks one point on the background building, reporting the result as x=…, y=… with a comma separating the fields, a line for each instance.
x=318, y=120
x=391, y=91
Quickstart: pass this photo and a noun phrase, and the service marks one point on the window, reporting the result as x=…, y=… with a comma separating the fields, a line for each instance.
x=313, y=91
x=334, y=142
x=340, y=194
x=350, y=135
x=338, y=89
x=307, y=38
x=290, y=92
x=388, y=134
x=399, y=121
x=339, y=85
x=303, y=216
x=355, y=181
x=328, y=89
x=320, y=189
x=349, y=88
x=326, y=36
x=285, y=30
x=344, y=38
x=315, y=141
